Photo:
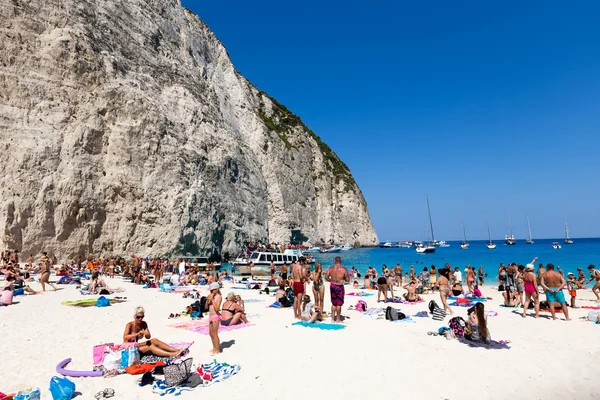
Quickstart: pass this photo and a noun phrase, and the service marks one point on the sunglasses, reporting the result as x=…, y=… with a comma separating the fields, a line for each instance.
x=139, y=317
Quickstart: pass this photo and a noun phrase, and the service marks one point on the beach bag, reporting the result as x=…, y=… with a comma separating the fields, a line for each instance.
x=102, y=302
x=203, y=306
x=99, y=351
x=437, y=313
x=6, y=297
x=30, y=394
x=361, y=306
x=61, y=388
x=458, y=326
x=112, y=359
x=178, y=372
x=130, y=355
x=392, y=314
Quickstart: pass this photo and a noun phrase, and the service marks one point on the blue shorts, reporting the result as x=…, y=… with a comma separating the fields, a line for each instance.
x=558, y=297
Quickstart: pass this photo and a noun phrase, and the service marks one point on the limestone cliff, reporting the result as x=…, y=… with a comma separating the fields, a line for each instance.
x=125, y=127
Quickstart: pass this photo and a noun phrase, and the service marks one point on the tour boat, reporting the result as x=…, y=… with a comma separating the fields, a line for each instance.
x=262, y=261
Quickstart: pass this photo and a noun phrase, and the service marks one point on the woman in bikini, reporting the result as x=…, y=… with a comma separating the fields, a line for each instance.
x=457, y=289
x=138, y=329
x=318, y=286
x=530, y=285
x=232, y=313
x=470, y=279
x=45, y=278
x=443, y=285
x=432, y=278
x=382, y=285
x=214, y=309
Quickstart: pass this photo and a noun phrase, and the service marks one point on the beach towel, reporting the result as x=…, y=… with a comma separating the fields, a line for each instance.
x=491, y=313
x=202, y=326
x=591, y=307
x=361, y=294
x=254, y=301
x=320, y=325
x=454, y=304
x=89, y=302
x=407, y=319
x=218, y=371
x=275, y=305
x=374, y=311
x=403, y=301
x=422, y=314
x=161, y=388
x=494, y=345
x=471, y=299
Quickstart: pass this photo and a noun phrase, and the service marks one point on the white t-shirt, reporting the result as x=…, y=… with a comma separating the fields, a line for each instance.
x=458, y=276
x=308, y=308
x=175, y=280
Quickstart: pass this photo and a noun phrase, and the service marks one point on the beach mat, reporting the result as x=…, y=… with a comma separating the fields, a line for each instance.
x=471, y=299
x=360, y=294
x=89, y=302
x=591, y=307
x=320, y=325
x=151, y=359
x=202, y=326
x=494, y=345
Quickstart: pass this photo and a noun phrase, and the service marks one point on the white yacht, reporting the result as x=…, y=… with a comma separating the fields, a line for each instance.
x=568, y=240
x=386, y=245
x=346, y=247
x=490, y=245
x=330, y=249
x=430, y=246
x=556, y=245
x=464, y=245
x=262, y=261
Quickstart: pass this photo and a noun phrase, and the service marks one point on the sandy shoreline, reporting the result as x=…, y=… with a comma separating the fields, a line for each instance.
x=369, y=358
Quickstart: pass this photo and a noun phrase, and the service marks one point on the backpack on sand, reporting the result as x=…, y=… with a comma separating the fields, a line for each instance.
x=458, y=325
x=392, y=314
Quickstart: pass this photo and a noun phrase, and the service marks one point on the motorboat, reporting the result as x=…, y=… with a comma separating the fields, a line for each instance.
x=568, y=240
x=261, y=261
x=330, y=249
x=442, y=243
x=556, y=245
x=200, y=262
x=310, y=250
x=346, y=247
x=386, y=245
x=425, y=248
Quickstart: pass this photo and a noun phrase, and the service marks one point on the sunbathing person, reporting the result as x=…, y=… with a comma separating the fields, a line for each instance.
x=232, y=313
x=511, y=297
x=138, y=329
x=97, y=285
x=309, y=312
x=457, y=289
x=476, y=329
x=411, y=289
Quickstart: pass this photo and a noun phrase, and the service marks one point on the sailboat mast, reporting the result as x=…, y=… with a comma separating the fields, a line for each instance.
x=489, y=234
x=566, y=229
x=510, y=226
x=528, y=226
x=430, y=223
x=464, y=233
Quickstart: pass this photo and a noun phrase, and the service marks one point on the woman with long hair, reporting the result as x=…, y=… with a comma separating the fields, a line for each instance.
x=477, y=329
x=137, y=330
x=318, y=286
x=214, y=319
x=530, y=285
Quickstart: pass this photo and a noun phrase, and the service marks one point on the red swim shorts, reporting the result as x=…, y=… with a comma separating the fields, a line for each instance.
x=573, y=293
x=298, y=288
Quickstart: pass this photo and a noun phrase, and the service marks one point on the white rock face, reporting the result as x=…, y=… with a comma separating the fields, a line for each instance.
x=125, y=127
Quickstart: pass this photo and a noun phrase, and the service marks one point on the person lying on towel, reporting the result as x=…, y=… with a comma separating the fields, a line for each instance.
x=137, y=330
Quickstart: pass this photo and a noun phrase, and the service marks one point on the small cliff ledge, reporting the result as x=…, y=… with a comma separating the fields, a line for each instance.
x=125, y=127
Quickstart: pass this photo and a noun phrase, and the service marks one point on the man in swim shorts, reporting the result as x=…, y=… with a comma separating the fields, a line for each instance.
x=553, y=283
x=297, y=287
x=337, y=275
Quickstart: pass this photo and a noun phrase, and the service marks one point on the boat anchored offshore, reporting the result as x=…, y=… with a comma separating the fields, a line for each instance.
x=429, y=247
x=510, y=238
x=529, y=239
x=568, y=240
x=464, y=245
x=490, y=245
x=346, y=247
x=261, y=261
x=556, y=245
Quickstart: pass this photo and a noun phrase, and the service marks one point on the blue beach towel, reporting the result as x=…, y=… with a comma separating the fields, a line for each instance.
x=320, y=325
x=407, y=319
x=276, y=305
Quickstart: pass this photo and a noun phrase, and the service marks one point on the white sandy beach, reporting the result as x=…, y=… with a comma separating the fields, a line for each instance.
x=370, y=358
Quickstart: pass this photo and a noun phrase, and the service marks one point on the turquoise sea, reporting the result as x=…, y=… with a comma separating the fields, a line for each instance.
x=580, y=254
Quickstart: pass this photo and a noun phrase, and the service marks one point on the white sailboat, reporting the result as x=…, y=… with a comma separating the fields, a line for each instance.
x=529, y=239
x=510, y=238
x=568, y=240
x=490, y=245
x=429, y=247
x=464, y=245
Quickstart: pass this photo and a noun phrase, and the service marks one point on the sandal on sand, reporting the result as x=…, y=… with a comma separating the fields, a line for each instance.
x=431, y=333
x=105, y=394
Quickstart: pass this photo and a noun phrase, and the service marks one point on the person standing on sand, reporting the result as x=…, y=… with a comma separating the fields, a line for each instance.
x=580, y=279
x=530, y=285
x=595, y=274
x=481, y=275
x=443, y=285
x=272, y=266
x=553, y=283
x=297, y=287
x=337, y=275
x=398, y=273
x=214, y=319
x=318, y=286
x=45, y=277
x=382, y=283
x=540, y=273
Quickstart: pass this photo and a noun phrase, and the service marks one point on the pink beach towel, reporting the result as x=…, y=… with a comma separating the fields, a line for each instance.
x=591, y=307
x=202, y=327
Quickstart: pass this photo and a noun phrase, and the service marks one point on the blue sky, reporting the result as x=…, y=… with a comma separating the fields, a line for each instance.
x=489, y=108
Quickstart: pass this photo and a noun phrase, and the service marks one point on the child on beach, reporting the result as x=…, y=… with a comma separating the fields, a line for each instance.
x=309, y=312
x=572, y=284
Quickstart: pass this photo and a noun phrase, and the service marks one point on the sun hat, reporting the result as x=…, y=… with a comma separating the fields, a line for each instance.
x=529, y=267
x=214, y=286
x=570, y=273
